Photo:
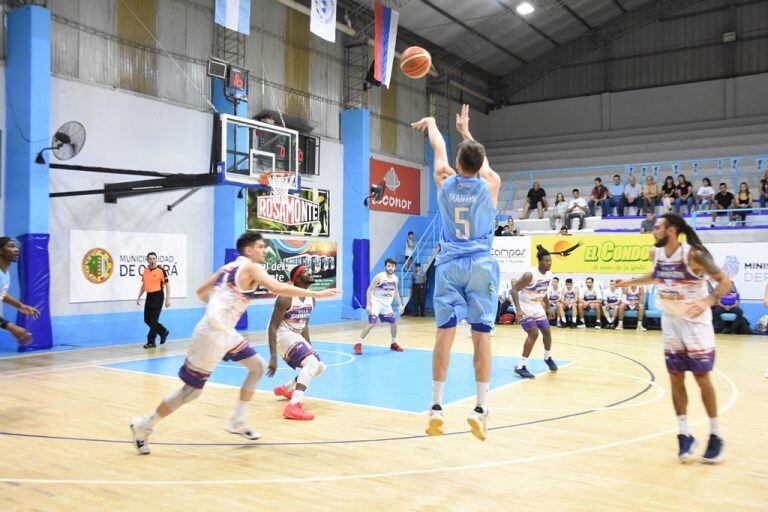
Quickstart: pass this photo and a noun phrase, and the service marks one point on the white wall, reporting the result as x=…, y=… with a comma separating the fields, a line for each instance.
x=131, y=132
x=696, y=120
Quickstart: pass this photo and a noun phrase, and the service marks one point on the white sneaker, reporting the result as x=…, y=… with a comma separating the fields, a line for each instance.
x=640, y=328
x=597, y=326
x=477, y=422
x=240, y=427
x=581, y=326
x=435, y=422
x=620, y=326
x=140, y=435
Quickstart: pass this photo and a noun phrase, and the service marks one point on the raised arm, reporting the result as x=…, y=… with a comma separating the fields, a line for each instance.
x=442, y=167
x=205, y=289
x=486, y=173
x=637, y=281
x=258, y=275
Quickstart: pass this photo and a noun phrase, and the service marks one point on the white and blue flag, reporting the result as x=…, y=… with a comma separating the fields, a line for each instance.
x=234, y=14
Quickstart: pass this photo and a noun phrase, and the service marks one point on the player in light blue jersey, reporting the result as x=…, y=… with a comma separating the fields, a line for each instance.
x=467, y=276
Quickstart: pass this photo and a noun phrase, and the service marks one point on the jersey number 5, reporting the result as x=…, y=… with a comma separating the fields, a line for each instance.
x=461, y=234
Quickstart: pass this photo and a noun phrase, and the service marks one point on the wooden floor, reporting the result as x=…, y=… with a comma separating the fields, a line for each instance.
x=598, y=435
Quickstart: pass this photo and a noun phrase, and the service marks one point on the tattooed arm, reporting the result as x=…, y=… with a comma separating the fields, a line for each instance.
x=702, y=261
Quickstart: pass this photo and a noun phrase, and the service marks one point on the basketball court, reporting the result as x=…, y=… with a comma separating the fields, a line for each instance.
x=597, y=433
x=171, y=127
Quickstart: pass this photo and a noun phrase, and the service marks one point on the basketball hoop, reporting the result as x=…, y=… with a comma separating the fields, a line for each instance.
x=281, y=183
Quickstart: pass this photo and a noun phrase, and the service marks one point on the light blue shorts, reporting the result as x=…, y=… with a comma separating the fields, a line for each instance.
x=467, y=289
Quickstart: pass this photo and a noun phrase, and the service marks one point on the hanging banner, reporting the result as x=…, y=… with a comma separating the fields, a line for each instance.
x=402, y=192
x=746, y=264
x=322, y=20
x=108, y=265
x=513, y=254
x=306, y=214
x=285, y=254
x=598, y=254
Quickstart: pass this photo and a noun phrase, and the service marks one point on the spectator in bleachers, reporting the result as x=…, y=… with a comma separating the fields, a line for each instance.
x=728, y=303
x=599, y=196
x=513, y=230
x=684, y=194
x=564, y=231
x=632, y=193
x=764, y=190
x=536, y=198
x=616, y=199
x=577, y=208
x=559, y=212
x=647, y=225
x=650, y=195
x=743, y=202
x=705, y=194
x=408, y=253
x=668, y=191
x=723, y=201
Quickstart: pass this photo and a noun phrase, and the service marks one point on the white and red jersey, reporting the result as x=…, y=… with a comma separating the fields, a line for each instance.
x=228, y=301
x=297, y=316
x=676, y=284
x=537, y=290
x=385, y=288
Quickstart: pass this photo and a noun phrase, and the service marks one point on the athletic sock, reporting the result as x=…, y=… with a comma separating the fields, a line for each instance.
x=437, y=391
x=240, y=410
x=152, y=420
x=714, y=425
x=394, y=340
x=297, y=396
x=523, y=362
x=682, y=423
x=290, y=385
x=482, y=394
x=546, y=355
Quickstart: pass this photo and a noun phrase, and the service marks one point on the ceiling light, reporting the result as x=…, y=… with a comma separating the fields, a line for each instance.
x=524, y=8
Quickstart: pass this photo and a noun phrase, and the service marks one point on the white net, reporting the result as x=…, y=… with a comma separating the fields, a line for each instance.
x=281, y=183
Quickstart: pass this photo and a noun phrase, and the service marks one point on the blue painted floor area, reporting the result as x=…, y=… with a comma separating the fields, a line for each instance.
x=380, y=377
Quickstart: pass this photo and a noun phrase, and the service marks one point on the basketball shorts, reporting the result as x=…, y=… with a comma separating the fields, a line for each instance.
x=688, y=346
x=211, y=343
x=466, y=289
x=632, y=307
x=293, y=348
x=534, y=315
x=381, y=311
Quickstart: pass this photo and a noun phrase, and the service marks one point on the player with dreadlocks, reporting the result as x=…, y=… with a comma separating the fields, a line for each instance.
x=528, y=294
x=686, y=322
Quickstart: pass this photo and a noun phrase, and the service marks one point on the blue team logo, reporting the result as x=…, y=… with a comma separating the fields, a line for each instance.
x=326, y=10
x=731, y=266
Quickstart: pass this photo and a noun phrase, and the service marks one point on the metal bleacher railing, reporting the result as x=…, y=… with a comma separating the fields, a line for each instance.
x=707, y=214
x=424, y=252
x=723, y=169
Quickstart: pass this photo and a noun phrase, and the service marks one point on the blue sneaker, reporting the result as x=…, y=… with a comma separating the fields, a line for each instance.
x=714, y=451
x=687, y=445
x=524, y=373
x=551, y=364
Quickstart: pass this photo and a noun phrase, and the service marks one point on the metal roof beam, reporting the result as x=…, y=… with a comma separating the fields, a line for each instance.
x=637, y=18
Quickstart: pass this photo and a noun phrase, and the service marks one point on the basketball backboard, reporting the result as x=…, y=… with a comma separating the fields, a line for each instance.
x=248, y=151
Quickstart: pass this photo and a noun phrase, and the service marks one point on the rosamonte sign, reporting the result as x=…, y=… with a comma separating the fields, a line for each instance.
x=599, y=254
x=402, y=192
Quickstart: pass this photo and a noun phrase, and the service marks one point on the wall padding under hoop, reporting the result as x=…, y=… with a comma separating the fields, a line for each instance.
x=361, y=271
x=35, y=284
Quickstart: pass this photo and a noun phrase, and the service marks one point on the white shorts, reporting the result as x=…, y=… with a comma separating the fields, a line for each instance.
x=532, y=309
x=292, y=347
x=631, y=307
x=379, y=308
x=688, y=346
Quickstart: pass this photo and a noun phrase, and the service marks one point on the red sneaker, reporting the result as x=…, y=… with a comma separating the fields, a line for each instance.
x=396, y=347
x=281, y=391
x=358, y=348
x=295, y=412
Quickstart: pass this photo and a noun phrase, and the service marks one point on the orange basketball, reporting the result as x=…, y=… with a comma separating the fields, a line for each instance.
x=415, y=62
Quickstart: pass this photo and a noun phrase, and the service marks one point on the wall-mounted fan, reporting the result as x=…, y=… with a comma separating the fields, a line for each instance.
x=377, y=192
x=66, y=142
